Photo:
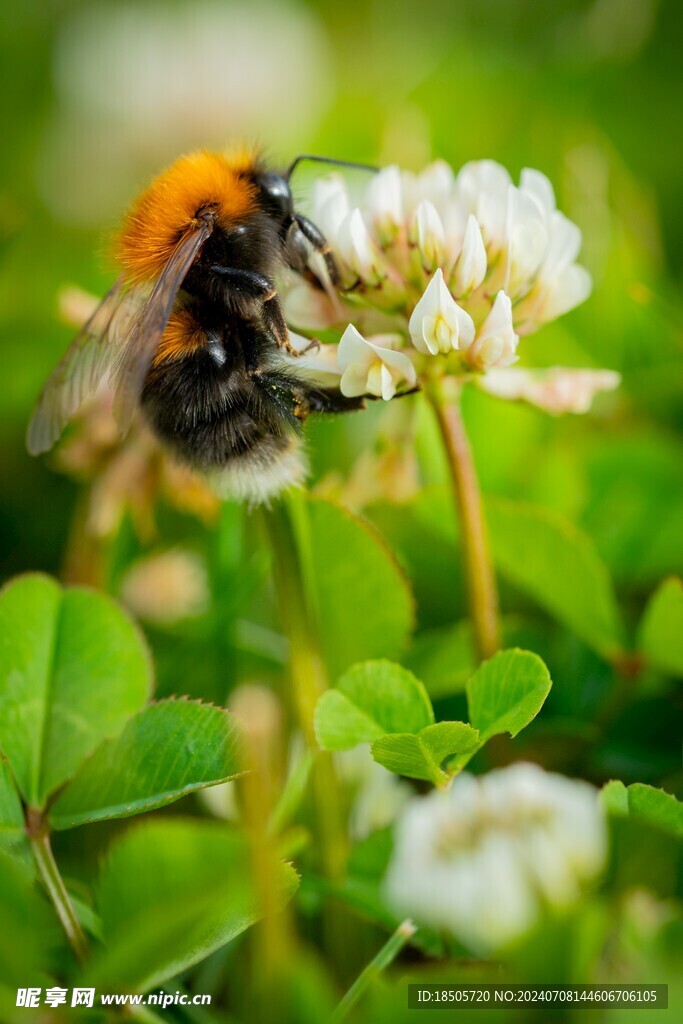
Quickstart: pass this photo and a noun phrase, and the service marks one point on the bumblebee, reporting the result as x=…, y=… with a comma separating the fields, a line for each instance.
x=193, y=333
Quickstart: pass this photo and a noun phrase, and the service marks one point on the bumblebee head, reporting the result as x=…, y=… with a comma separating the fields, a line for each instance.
x=276, y=196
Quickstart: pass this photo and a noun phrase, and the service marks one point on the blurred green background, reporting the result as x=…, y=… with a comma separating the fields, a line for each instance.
x=99, y=96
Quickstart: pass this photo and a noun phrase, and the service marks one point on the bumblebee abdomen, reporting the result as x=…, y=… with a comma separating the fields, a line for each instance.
x=165, y=210
x=210, y=411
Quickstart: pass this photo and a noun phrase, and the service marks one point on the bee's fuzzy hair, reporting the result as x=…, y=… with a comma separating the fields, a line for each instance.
x=261, y=474
x=158, y=217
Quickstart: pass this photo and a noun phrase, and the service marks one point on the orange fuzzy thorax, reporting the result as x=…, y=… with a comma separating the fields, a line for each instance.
x=168, y=207
x=183, y=336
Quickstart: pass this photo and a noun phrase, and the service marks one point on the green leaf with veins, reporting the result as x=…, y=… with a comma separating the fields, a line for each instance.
x=73, y=669
x=421, y=755
x=169, y=749
x=372, y=698
x=507, y=692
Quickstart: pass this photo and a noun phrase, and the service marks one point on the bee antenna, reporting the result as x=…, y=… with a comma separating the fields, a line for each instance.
x=329, y=160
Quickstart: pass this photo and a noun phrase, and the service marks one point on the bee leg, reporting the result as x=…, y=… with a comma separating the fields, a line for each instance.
x=296, y=249
x=317, y=239
x=297, y=254
x=275, y=322
x=330, y=400
x=248, y=285
x=276, y=325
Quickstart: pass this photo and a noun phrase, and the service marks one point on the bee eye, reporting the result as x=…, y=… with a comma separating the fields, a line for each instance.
x=276, y=195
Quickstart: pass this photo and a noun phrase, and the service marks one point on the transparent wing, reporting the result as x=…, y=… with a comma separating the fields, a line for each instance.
x=89, y=360
x=117, y=343
x=143, y=341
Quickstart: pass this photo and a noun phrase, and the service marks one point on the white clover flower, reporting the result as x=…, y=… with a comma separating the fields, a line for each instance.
x=536, y=185
x=330, y=204
x=385, y=204
x=312, y=308
x=166, y=587
x=452, y=265
x=486, y=858
x=427, y=233
x=496, y=342
x=562, y=283
x=483, y=188
x=434, y=183
x=527, y=236
x=438, y=323
x=378, y=795
x=319, y=362
x=360, y=252
x=372, y=367
x=556, y=390
x=470, y=268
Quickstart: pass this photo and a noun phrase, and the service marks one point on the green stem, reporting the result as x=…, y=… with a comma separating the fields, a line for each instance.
x=481, y=581
x=39, y=838
x=306, y=667
x=308, y=677
x=379, y=963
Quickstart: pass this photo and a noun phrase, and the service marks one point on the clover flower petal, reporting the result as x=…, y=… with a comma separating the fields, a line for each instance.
x=385, y=203
x=535, y=184
x=496, y=341
x=434, y=183
x=438, y=323
x=330, y=204
x=561, y=284
x=470, y=268
x=358, y=248
x=308, y=307
x=556, y=390
x=569, y=289
x=527, y=239
x=483, y=187
x=427, y=232
x=315, y=361
x=372, y=367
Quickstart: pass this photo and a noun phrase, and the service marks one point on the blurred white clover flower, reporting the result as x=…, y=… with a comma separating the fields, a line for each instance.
x=556, y=390
x=378, y=796
x=136, y=83
x=484, y=859
x=166, y=587
x=455, y=266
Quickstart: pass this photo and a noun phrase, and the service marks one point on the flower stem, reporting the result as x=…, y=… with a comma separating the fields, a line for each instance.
x=481, y=581
x=386, y=956
x=39, y=838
